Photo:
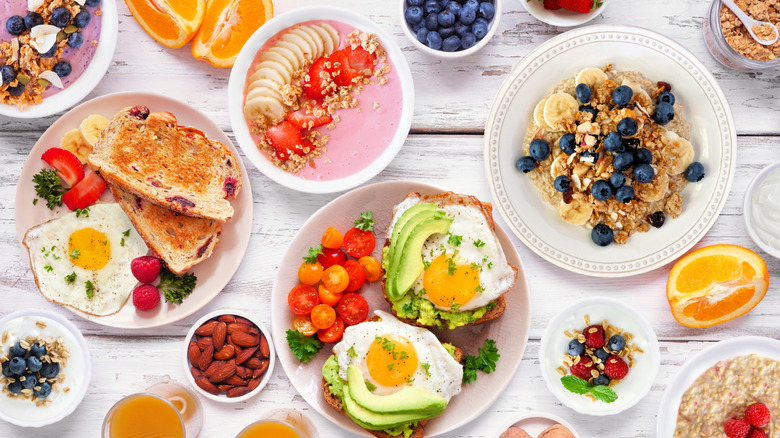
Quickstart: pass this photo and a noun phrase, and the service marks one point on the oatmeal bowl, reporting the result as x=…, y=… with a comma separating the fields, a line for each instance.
x=320, y=99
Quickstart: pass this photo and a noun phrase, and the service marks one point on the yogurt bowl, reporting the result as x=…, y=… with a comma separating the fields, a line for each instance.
x=761, y=209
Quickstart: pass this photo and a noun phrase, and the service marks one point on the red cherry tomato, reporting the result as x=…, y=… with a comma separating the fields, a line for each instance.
x=323, y=316
x=332, y=333
x=302, y=299
x=303, y=324
x=330, y=257
x=353, y=308
x=359, y=243
x=357, y=275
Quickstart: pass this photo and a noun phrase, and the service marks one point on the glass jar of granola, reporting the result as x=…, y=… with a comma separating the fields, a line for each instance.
x=729, y=42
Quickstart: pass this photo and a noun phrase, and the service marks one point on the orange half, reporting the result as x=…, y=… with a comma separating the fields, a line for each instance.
x=716, y=284
x=227, y=26
x=171, y=22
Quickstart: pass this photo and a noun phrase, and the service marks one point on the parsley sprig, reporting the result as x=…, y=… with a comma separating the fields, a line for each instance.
x=303, y=347
x=366, y=221
x=314, y=251
x=90, y=288
x=581, y=386
x=485, y=361
x=175, y=288
x=49, y=188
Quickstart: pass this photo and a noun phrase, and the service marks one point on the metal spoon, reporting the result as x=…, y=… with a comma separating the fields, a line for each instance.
x=750, y=23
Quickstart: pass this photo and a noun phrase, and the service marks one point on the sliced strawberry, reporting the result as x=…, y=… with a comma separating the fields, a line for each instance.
x=350, y=64
x=343, y=74
x=286, y=139
x=85, y=193
x=310, y=117
x=319, y=78
x=581, y=6
x=67, y=165
x=361, y=59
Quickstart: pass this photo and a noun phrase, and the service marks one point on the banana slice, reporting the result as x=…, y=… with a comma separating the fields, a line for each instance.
x=267, y=73
x=265, y=92
x=280, y=68
x=313, y=50
x=314, y=36
x=682, y=151
x=289, y=55
x=560, y=110
x=539, y=113
x=576, y=212
x=653, y=191
x=265, y=82
x=296, y=50
x=328, y=42
x=268, y=107
x=300, y=41
x=72, y=142
x=593, y=77
x=91, y=127
x=273, y=55
x=332, y=33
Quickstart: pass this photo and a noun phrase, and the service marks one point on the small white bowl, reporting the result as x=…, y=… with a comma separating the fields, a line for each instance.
x=271, y=356
x=535, y=423
x=77, y=373
x=492, y=27
x=747, y=210
x=560, y=17
x=640, y=377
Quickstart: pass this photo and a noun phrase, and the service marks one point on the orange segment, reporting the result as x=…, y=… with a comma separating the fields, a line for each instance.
x=171, y=22
x=227, y=26
x=716, y=284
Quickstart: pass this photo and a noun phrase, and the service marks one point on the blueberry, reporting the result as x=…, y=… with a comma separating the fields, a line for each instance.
x=632, y=142
x=82, y=19
x=468, y=40
x=480, y=28
x=15, y=25
x=60, y=17
x=643, y=155
x=434, y=40
x=602, y=235
x=602, y=354
x=461, y=29
x=601, y=190
x=622, y=95
x=447, y=32
x=15, y=387
x=62, y=68
x=15, y=91
x=455, y=8
x=663, y=113
x=627, y=127
x=601, y=379
x=415, y=2
x=589, y=156
x=526, y=164
x=624, y=194
x=694, y=172
x=644, y=173
x=467, y=15
x=7, y=73
x=414, y=15
x=486, y=10
x=432, y=7
x=17, y=365
x=44, y=391
x=7, y=370
x=29, y=381
x=51, y=52
x=446, y=18
x=422, y=33
x=432, y=21
x=593, y=111
x=575, y=348
x=75, y=40
x=471, y=4
x=614, y=143
x=34, y=364
x=562, y=183
x=617, y=343
x=667, y=97
x=567, y=143
x=444, y=4
x=656, y=219
x=37, y=350
x=32, y=19
x=17, y=350
x=92, y=3
x=617, y=180
x=623, y=161
x=584, y=93
x=451, y=44
x=539, y=149
x=50, y=370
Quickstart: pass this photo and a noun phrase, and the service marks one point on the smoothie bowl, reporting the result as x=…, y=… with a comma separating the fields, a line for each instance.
x=320, y=99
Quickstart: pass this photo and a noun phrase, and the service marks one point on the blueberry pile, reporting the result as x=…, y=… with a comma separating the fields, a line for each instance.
x=449, y=25
x=26, y=370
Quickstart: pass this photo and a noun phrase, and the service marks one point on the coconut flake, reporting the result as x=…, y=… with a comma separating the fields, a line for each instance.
x=43, y=37
x=81, y=2
x=33, y=5
x=14, y=49
x=51, y=77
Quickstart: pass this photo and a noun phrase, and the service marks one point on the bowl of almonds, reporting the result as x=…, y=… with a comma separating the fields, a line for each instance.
x=229, y=356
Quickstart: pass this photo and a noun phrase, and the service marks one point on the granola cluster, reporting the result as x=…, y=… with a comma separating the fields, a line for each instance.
x=736, y=34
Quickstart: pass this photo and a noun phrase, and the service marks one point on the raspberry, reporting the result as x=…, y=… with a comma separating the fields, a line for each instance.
x=583, y=368
x=736, y=428
x=145, y=269
x=146, y=297
x=594, y=336
x=615, y=368
x=756, y=433
x=757, y=414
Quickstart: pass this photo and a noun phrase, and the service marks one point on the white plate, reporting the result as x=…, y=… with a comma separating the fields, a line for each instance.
x=213, y=274
x=88, y=80
x=537, y=223
x=560, y=17
x=536, y=422
x=697, y=365
x=510, y=331
x=236, y=100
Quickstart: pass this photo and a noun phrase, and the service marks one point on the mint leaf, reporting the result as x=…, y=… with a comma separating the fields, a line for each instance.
x=604, y=393
x=575, y=384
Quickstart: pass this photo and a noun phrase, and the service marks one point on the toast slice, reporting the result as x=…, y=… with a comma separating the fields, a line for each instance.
x=181, y=241
x=175, y=167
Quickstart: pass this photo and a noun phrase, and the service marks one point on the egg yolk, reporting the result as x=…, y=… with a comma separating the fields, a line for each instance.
x=89, y=248
x=449, y=279
x=391, y=360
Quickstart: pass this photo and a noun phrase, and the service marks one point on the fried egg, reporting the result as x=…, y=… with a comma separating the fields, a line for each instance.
x=392, y=354
x=83, y=260
x=466, y=268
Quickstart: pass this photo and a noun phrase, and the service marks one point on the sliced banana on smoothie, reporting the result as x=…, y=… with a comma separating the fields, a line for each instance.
x=273, y=54
x=560, y=110
x=260, y=105
x=575, y=212
x=680, y=148
x=267, y=72
x=317, y=39
x=592, y=77
x=91, y=127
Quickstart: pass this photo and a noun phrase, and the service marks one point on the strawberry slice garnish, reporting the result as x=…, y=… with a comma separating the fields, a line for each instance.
x=85, y=193
x=581, y=6
x=308, y=117
x=318, y=79
x=342, y=72
x=68, y=167
x=350, y=64
x=286, y=139
x=361, y=59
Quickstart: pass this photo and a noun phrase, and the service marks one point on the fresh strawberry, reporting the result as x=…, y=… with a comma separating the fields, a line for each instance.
x=581, y=6
x=350, y=64
x=757, y=414
x=286, y=139
x=736, y=428
x=594, y=336
x=85, y=193
x=146, y=297
x=318, y=79
x=583, y=368
x=756, y=433
x=68, y=167
x=615, y=368
x=311, y=117
x=551, y=5
x=343, y=73
x=145, y=269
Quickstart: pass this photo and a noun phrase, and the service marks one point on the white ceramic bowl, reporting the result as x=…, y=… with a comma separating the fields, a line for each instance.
x=640, y=377
x=535, y=423
x=747, y=210
x=236, y=99
x=492, y=27
x=78, y=372
x=78, y=90
x=560, y=17
x=271, y=357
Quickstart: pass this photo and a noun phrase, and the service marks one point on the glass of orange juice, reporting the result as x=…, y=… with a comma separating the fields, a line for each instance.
x=165, y=410
x=284, y=423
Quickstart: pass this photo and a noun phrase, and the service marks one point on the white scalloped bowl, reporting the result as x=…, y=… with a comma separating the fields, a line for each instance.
x=561, y=17
x=747, y=210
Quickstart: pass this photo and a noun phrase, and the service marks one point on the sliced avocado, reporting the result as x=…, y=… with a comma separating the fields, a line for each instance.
x=410, y=263
x=373, y=421
x=398, y=244
x=410, y=399
x=399, y=225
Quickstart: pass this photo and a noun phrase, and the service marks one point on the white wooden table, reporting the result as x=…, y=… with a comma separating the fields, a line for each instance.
x=444, y=148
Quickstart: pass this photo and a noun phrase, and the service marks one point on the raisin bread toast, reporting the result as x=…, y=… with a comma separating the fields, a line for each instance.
x=173, y=166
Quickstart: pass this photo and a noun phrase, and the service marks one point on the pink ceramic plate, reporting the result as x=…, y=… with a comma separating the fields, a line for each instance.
x=213, y=274
x=510, y=331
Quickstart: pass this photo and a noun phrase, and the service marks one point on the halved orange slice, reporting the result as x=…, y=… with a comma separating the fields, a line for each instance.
x=716, y=284
x=227, y=26
x=171, y=22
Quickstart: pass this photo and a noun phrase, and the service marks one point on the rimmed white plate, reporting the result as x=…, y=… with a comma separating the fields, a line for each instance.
x=701, y=362
x=560, y=17
x=362, y=134
x=510, y=331
x=537, y=223
x=78, y=90
x=536, y=422
x=213, y=274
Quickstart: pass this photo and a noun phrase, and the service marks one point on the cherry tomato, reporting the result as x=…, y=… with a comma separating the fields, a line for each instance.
x=303, y=324
x=359, y=243
x=372, y=266
x=323, y=316
x=332, y=333
x=330, y=257
x=353, y=308
x=332, y=238
x=310, y=273
x=328, y=297
x=357, y=275
x=302, y=298
x=335, y=279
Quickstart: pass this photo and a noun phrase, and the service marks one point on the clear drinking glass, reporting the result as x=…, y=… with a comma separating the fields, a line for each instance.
x=284, y=423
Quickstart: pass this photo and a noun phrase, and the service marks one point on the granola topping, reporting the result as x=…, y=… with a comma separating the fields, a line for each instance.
x=736, y=34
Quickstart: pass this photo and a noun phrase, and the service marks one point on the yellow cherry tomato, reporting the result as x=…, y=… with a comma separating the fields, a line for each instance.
x=328, y=297
x=335, y=278
x=323, y=316
x=332, y=238
x=310, y=273
x=304, y=325
x=372, y=267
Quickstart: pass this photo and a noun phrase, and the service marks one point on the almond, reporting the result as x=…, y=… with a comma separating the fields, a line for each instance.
x=232, y=328
x=225, y=388
x=204, y=343
x=206, y=329
x=258, y=372
x=223, y=372
x=253, y=363
x=244, y=340
x=243, y=372
x=240, y=320
x=207, y=386
x=264, y=348
x=236, y=380
x=245, y=355
x=254, y=383
x=220, y=331
x=205, y=357
x=263, y=365
x=238, y=391
x=227, y=319
x=193, y=352
x=208, y=372
x=225, y=353
x=195, y=372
